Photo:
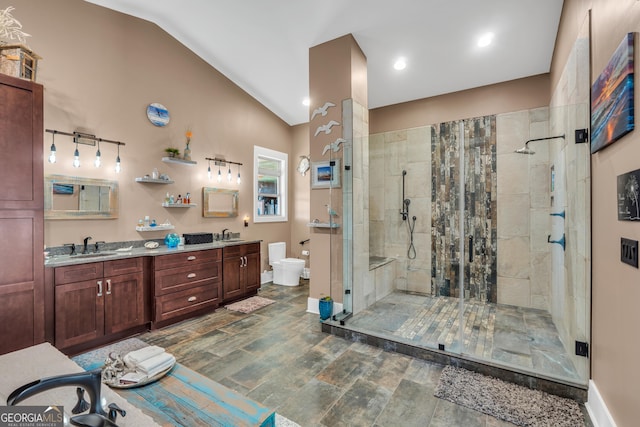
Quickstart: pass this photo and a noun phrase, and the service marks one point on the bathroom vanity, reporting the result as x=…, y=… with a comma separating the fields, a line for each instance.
x=94, y=302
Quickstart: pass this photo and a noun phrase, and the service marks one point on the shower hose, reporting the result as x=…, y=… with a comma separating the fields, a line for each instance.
x=411, y=252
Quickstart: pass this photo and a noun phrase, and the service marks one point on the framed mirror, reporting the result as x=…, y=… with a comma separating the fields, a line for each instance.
x=73, y=197
x=219, y=203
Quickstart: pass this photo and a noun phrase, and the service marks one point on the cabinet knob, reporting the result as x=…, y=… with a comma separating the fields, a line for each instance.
x=192, y=299
x=191, y=275
x=191, y=257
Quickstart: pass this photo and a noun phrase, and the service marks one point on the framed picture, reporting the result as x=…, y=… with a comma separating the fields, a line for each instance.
x=612, y=98
x=63, y=189
x=325, y=174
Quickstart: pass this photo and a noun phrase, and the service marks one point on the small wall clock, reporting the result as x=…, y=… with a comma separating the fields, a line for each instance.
x=158, y=114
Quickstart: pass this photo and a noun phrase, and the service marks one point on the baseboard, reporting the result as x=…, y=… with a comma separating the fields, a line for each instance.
x=597, y=408
x=313, y=303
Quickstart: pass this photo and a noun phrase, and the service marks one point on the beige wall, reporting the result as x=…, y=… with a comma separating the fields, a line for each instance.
x=615, y=289
x=515, y=95
x=299, y=193
x=100, y=69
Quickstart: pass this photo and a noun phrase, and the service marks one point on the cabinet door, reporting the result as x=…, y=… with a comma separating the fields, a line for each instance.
x=252, y=273
x=79, y=312
x=123, y=302
x=232, y=286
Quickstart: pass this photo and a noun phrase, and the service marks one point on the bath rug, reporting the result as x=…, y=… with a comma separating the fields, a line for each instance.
x=506, y=401
x=250, y=304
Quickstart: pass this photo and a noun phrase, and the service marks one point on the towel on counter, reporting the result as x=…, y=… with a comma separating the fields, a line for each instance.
x=156, y=364
x=134, y=358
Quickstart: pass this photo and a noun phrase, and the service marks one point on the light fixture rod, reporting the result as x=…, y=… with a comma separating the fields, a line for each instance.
x=221, y=162
x=80, y=135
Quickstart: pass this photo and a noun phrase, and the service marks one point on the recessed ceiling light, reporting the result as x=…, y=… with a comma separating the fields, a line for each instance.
x=306, y=101
x=400, y=64
x=485, y=40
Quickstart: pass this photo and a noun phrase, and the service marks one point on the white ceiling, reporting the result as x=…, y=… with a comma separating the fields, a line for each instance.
x=263, y=45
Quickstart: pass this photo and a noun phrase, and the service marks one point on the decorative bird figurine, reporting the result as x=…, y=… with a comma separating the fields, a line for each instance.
x=322, y=110
x=330, y=211
x=335, y=146
x=326, y=128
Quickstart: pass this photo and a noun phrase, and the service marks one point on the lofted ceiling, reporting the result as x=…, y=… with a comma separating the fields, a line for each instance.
x=263, y=45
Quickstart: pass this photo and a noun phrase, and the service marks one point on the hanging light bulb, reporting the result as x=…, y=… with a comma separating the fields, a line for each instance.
x=239, y=180
x=76, y=157
x=219, y=174
x=229, y=173
x=52, y=155
x=98, y=161
x=118, y=167
x=209, y=171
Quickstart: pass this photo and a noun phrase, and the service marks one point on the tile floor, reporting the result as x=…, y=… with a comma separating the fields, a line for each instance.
x=516, y=336
x=279, y=357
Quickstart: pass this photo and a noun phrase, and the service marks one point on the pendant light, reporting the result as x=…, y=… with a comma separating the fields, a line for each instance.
x=118, y=167
x=219, y=174
x=209, y=170
x=52, y=155
x=76, y=157
x=239, y=180
x=98, y=161
x=229, y=173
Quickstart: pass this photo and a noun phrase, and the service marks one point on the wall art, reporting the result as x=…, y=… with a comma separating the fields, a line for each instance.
x=628, y=193
x=325, y=174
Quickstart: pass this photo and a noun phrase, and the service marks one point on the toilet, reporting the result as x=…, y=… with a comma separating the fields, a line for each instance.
x=286, y=271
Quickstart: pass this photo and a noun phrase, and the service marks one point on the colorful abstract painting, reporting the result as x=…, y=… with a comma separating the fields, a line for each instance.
x=612, y=98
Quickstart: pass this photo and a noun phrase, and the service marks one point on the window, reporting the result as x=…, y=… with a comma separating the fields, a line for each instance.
x=270, y=185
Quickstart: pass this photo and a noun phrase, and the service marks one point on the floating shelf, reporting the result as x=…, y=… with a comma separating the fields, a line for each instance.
x=179, y=161
x=323, y=225
x=156, y=228
x=179, y=205
x=154, y=181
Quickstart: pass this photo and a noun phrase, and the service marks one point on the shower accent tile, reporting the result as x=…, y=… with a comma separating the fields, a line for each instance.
x=513, y=211
x=513, y=257
x=514, y=291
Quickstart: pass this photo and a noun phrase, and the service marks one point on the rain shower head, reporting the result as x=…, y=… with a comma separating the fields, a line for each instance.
x=527, y=150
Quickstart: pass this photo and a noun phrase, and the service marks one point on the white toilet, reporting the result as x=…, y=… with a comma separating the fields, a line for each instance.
x=286, y=271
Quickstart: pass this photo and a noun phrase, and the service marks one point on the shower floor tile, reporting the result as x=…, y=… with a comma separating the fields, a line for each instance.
x=522, y=337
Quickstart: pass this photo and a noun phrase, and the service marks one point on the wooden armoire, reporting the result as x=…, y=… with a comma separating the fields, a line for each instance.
x=21, y=214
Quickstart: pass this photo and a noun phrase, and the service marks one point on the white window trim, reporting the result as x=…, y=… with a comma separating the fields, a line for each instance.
x=284, y=184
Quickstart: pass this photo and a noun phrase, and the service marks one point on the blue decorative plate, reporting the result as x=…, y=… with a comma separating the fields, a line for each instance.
x=158, y=114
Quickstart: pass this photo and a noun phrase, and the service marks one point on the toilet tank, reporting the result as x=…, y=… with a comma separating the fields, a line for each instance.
x=277, y=251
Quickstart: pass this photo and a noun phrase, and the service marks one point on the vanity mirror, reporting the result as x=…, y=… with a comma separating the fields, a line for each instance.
x=219, y=203
x=72, y=197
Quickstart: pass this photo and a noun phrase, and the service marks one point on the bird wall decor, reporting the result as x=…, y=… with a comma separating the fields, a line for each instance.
x=335, y=146
x=330, y=211
x=326, y=128
x=322, y=110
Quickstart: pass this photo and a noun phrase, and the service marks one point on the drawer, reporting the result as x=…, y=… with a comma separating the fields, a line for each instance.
x=241, y=250
x=187, y=258
x=179, y=278
x=188, y=300
x=78, y=273
x=122, y=266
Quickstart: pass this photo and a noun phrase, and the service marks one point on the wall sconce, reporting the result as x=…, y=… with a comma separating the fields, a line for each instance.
x=86, y=139
x=246, y=220
x=217, y=161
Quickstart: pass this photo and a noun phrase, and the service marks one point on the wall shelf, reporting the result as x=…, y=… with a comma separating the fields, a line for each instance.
x=154, y=181
x=179, y=161
x=323, y=225
x=159, y=227
x=179, y=205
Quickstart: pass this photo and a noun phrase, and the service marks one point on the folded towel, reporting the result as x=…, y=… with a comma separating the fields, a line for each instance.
x=134, y=358
x=156, y=364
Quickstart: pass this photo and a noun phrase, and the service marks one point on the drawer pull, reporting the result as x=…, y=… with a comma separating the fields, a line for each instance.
x=192, y=299
x=108, y=286
x=191, y=275
x=99, y=288
x=191, y=257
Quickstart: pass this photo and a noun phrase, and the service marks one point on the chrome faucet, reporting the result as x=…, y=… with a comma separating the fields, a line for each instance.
x=86, y=241
x=223, y=234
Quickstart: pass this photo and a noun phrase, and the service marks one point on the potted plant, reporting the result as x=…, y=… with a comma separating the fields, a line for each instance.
x=325, y=306
x=172, y=152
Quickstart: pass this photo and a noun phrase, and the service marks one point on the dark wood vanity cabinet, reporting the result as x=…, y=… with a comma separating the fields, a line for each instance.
x=21, y=214
x=241, y=271
x=99, y=300
x=186, y=284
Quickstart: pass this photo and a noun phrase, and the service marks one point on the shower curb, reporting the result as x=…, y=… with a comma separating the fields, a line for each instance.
x=573, y=391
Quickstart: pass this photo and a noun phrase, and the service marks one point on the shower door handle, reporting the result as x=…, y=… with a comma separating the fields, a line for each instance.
x=470, y=248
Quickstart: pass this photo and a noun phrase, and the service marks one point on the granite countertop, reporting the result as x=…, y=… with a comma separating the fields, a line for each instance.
x=62, y=260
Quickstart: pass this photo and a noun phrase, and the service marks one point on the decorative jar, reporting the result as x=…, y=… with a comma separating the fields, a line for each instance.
x=172, y=240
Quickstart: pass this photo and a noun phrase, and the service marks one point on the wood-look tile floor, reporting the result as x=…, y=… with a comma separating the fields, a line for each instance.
x=279, y=357
x=521, y=337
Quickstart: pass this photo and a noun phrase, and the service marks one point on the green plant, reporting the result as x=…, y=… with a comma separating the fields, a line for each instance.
x=172, y=151
x=327, y=298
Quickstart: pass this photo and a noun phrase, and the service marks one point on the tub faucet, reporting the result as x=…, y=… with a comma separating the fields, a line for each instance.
x=86, y=241
x=91, y=381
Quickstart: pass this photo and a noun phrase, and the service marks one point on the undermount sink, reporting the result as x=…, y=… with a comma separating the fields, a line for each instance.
x=92, y=255
x=232, y=240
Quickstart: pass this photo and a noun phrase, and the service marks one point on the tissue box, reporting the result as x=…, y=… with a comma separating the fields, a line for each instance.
x=197, y=238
